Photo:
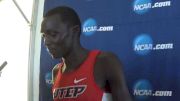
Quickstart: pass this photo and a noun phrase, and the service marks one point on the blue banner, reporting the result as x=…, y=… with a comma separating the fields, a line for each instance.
x=143, y=33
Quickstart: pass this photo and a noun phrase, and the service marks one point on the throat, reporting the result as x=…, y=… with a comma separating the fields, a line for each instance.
x=74, y=61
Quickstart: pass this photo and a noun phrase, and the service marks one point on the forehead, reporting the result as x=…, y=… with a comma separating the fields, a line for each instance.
x=52, y=22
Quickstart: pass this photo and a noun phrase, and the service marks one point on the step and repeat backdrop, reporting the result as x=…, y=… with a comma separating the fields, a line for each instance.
x=144, y=34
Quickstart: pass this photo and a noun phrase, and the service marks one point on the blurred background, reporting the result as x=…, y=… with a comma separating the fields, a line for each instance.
x=14, y=48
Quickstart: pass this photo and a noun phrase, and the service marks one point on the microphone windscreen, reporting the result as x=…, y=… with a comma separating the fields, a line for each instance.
x=3, y=65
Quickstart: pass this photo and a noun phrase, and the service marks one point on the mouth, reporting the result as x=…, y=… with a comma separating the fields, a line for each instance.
x=54, y=52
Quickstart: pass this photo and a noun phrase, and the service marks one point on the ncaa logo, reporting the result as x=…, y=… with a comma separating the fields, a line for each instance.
x=89, y=27
x=48, y=79
x=142, y=89
x=141, y=6
x=143, y=44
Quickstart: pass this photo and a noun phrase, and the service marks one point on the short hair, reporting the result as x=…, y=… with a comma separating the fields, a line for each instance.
x=67, y=14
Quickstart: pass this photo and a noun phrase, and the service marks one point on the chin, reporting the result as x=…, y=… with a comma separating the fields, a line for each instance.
x=56, y=56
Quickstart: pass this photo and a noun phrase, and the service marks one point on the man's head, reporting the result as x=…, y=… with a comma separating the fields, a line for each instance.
x=61, y=26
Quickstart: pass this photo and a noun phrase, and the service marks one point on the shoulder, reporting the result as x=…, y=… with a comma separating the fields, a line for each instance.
x=112, y=70
x=104, y=54
x=108, y=58
x=104, y=68
x=110, y=64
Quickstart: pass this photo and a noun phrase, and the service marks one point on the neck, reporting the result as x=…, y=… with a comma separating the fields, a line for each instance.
x=75, y=57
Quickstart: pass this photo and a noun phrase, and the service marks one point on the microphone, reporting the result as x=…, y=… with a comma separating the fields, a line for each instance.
x=3, y=65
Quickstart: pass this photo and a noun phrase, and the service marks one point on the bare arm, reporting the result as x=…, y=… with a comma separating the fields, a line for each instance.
x=113, y=73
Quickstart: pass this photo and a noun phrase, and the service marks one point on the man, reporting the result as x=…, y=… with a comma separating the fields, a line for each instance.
x=83, y=75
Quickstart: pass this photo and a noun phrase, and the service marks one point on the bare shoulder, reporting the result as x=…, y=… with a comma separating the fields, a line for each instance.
x=104, y=65
x=112, y=69
x=109, y=64
x=106, y=54
x=109, y=59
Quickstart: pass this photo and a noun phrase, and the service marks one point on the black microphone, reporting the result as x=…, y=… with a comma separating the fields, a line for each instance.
x=3, y=65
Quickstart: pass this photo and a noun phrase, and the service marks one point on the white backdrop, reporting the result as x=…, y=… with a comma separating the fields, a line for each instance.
x=14, y=48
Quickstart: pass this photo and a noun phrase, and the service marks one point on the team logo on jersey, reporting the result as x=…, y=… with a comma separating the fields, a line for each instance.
x=69, y=92
x=79, y=80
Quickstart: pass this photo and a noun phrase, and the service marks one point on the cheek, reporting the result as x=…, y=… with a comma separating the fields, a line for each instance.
x=64, y=42
x=57, y=40
x=60, y=44
x=68, y=42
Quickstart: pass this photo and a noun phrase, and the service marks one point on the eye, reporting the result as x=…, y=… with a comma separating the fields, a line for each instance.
x=45, y=35
x=50, y=34
x=54, y=33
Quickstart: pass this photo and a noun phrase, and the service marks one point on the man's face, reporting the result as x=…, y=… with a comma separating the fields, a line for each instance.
x=57, y=36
